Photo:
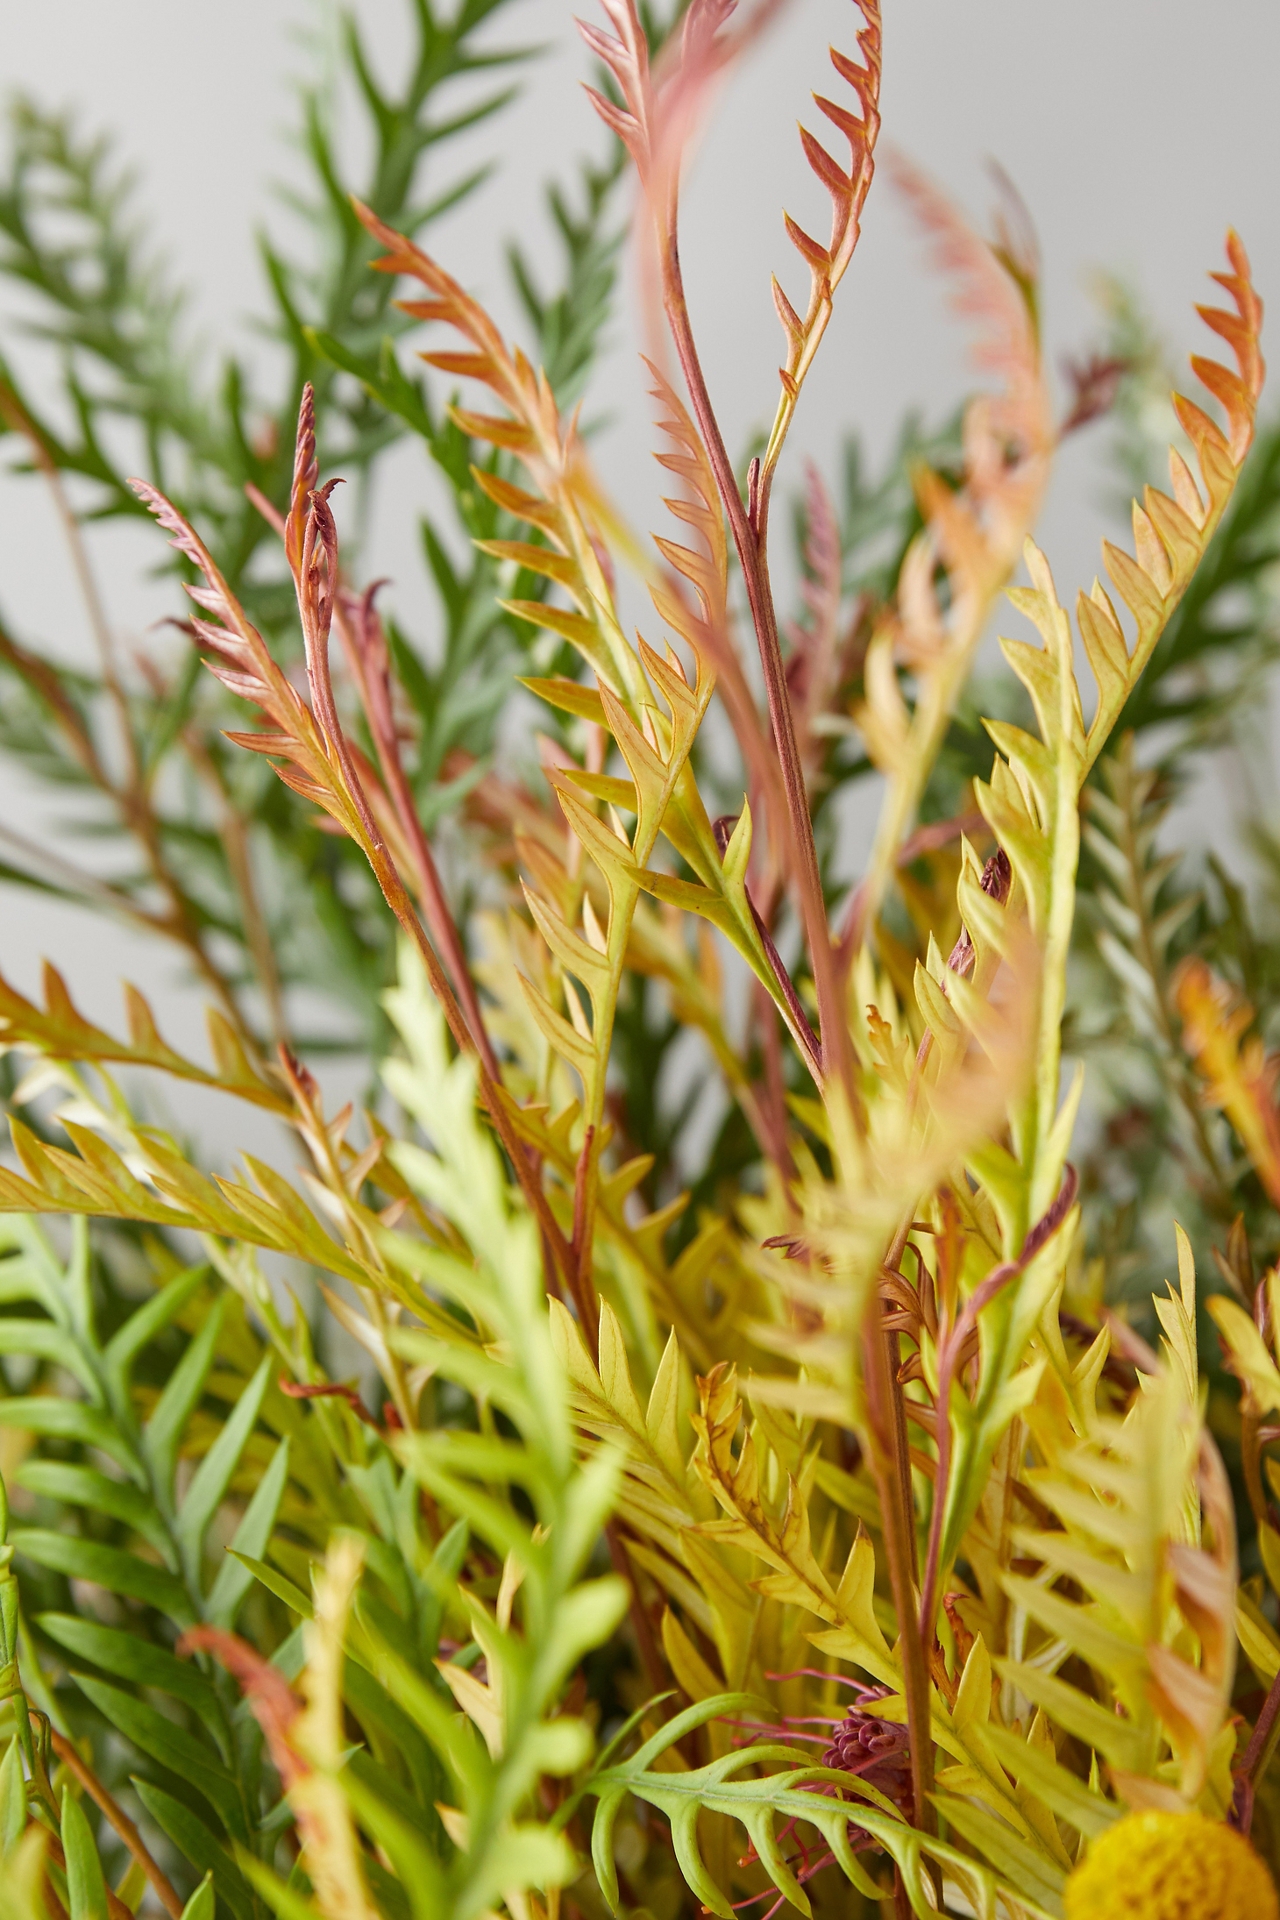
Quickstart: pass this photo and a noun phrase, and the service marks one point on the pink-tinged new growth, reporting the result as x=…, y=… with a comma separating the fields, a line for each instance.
x=1008, y=434
x=1238, y=392
x=311, y=752
x=973, y=533
x=324, y=600
x=664, y=103
x=241, y=660
x=859, y=1743
x=275, y=1706
x=848, y=190
x=1172, y=530
x=567, y=507
x=655, y=135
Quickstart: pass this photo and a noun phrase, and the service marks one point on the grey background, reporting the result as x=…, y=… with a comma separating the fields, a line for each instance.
x=1136, y=130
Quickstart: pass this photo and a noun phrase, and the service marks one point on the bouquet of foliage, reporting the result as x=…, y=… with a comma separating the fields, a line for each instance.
x=591, y=1506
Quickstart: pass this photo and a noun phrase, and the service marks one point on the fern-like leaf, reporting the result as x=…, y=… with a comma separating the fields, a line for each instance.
x=848, y=188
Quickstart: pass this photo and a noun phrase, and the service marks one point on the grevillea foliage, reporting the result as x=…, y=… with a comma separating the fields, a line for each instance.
x=590, y=1505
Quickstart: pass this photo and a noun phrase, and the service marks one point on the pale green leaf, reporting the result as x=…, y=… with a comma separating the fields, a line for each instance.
x=181, y=1397
x=86, y=1884
x=212, y=1477
x=234, y=1579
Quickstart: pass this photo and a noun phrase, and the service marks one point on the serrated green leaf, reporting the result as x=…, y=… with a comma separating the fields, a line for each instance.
x=521, y=1856
x=602, y=1849
x=662, y=1415
x=375, y=1708
x=445, y=1565
x=569, y=696
x=382, y=378
x=389, y=1897
x=716, y=1706
x=455, y=1743
x=282, y=1899
x=43, y=1340
x=1060, y=1791
x=275, y=1582
x=26, y=1277
x=1081, y=1628
x=143, y=1325
x=1116, y=1739
x=404, y=1844
x=1032, y=1873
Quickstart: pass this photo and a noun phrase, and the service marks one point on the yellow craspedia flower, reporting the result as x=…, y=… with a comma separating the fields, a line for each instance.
x=1171, y=1866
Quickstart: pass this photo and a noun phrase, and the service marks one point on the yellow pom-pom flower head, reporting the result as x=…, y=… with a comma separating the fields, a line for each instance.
x=1171, y=1866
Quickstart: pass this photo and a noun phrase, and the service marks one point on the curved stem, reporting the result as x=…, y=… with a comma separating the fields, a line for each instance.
x=120, y=1820
x=837, y=1052
x=1259, y=1750
x=1251, y=1462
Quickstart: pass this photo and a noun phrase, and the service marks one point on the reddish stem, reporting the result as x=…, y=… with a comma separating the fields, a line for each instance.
x=950, y=1346
x=654, y=1665
x=120, y=1820
x=773, y=1107
x=583, y=1183
x=367, y=656
x=315, y=606
x=1245, y=1780
x=754, y=562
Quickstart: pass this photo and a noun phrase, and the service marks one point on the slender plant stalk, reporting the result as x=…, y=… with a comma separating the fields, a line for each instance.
x=70, y=1758
x=899, y=1551
x=240, y=861
x=1251, y=1462
x=352, y=619
x=17, y=417
x=51, y=866
x=837, y=1054
x=950, y=1346
x=1256, y=1755
x=1148, y=954
x=655, y=1665
x=394, y=892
